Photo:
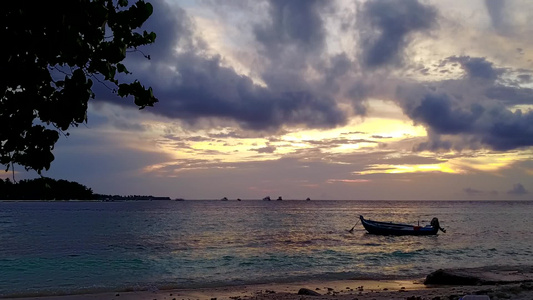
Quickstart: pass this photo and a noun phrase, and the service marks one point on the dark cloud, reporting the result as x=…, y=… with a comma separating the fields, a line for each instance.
x=470, y=125
x=192, y=85
x=518, y=189
x=267, y=149
x=231, y=134
x=386, y=28
x=471, y=112
x=292, y=22
x=524, y=78
x=206, y=89
x=438, y=113
x=477, y=67
x=339, y=66
x=510, y=95
x=498, y=16
x=508, y=130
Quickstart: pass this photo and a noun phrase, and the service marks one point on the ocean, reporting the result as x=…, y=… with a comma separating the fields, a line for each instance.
x=50, y=248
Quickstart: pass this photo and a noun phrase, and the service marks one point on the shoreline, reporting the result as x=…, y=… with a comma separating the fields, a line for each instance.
x=327, y=288
x=495, y=282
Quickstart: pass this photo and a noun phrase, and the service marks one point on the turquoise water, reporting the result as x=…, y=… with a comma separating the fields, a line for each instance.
x=74, y=247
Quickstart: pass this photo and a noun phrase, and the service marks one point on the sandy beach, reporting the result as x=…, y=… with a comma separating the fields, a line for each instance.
x=496, y=283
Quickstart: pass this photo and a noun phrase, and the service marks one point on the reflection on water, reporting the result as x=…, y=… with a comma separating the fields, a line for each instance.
x=129, y=245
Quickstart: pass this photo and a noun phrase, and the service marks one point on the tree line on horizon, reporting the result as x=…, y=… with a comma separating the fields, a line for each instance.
x=51, y=189
x=44, y=189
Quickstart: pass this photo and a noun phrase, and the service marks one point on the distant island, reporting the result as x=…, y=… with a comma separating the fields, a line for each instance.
x=51, y=189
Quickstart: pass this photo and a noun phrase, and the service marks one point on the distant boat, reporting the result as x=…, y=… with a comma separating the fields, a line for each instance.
x=308, y=199
x=279, y=198
x=224, y=199
x=267, y=198
x=238, y=199
x=389, y=228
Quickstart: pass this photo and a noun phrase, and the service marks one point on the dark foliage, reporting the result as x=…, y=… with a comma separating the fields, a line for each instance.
x=127, y=198
x=44, y=189
x=51, y=54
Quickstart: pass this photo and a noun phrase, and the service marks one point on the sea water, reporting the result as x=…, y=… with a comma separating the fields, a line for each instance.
x=82, y=247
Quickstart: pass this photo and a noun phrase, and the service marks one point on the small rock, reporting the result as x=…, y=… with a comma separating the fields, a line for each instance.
x=452, y=277
x=117, y=295
x=308, y=292
x=330, y=289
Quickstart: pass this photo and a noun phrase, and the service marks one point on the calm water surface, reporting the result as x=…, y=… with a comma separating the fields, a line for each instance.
x=73, y=247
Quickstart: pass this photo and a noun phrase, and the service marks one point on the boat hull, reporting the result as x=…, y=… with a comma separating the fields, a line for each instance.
x=384, y=228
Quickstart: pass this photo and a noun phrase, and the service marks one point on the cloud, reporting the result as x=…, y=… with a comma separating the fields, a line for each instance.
x=193, y=84
x=470, y=112
x=477, y=67
x=267, y=149
x=518, y=189
x=510, y=95
x=294, y=22
x=438, y=112
x=386, y=29
x=498, y=16
x=476, y=124
x=198, y=86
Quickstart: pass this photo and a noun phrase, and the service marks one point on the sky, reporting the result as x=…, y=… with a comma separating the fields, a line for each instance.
x=362, y=100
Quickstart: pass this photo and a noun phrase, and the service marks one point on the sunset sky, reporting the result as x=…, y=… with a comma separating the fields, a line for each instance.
x=323, y=99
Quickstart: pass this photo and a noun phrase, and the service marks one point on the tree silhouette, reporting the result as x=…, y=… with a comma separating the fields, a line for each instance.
x=51, y=54
x=44, y=189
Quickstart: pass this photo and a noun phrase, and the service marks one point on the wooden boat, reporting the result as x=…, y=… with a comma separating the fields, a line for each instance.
x=389, y=228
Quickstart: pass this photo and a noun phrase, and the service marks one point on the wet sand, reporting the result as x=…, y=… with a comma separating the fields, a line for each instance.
x=505, y=283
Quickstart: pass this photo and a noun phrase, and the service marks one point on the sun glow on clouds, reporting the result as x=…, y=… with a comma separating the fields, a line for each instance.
x=201, y=149
x=226, y=145
x=399, y=169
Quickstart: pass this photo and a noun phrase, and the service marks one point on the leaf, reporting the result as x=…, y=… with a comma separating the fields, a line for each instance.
x=122, y=69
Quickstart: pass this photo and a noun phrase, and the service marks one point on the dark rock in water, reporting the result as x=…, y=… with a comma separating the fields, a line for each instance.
x=308, y=292
x=451, y=277
x=482, y=275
